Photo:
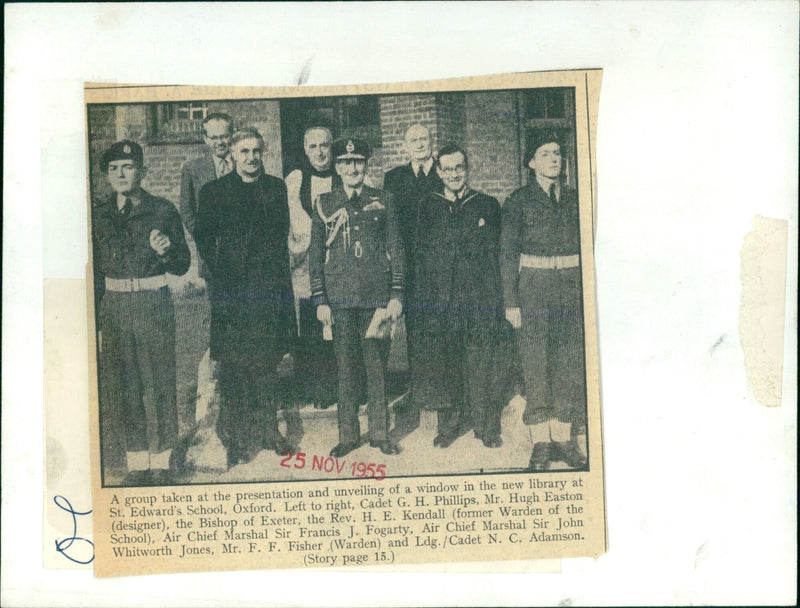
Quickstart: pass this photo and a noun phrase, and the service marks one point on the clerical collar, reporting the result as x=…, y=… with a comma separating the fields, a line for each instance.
x=426, y=166
x=320, y=173
x=249, y=179
x=135, y=199
x=349, y=191
x=546, y=182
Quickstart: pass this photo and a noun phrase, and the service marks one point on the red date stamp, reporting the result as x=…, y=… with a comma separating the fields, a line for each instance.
x=329, y=464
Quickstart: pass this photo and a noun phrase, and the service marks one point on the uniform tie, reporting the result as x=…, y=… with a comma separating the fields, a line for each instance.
x=126, y=208
x=553, y=198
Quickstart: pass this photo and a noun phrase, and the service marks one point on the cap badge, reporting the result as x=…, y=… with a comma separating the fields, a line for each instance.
x=126, y=149
x=350, y=147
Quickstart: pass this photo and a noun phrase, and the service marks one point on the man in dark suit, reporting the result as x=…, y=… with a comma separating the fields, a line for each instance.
x=197, y=172
x=137, y=238
x=409, y=184
x=457, y=301
x=543, y=301
x=242, y=229
x=356, y=264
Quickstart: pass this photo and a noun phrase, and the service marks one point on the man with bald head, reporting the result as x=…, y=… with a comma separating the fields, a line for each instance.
x=409, y=184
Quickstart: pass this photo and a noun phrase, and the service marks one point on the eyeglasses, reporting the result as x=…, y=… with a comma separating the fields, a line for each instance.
x=457, y=170
x=217, y=137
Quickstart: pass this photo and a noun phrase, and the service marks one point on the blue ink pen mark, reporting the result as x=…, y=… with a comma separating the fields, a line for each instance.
x=63, y=545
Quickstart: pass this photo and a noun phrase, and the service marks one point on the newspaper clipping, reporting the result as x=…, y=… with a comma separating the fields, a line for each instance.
x=343, y=326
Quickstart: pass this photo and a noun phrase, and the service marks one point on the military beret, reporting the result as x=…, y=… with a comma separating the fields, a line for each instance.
x=123, y=150
x=537, y=140
x=345, y=149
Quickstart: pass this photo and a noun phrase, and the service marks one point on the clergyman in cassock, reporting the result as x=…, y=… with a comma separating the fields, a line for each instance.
x=137, y=238
x=242, y=230
x=356, y=262
x=457, y=301
x=543, y=301
x=315, y=362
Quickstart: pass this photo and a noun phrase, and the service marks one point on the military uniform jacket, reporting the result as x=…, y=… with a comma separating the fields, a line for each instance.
x=533, y=225
x=241, y=233
x=356, y=255
x=121, y=245
x=457, y=260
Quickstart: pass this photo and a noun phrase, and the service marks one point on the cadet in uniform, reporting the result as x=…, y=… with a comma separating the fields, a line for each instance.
x=457, y=301
x=356, y=266
x=543, y=300
x=137, y=237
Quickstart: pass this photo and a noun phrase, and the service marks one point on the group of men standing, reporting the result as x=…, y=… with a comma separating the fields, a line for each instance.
x=323, y=266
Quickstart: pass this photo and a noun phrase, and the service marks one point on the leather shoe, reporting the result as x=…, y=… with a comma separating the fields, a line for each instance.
x=236, y=457
x=540, y=459
x=343, y=449
x=161, y=477
x=492, y=440
x=444, y=440
x=387, y=447
x=276, y=442
x=568, y=452
x=137, y=478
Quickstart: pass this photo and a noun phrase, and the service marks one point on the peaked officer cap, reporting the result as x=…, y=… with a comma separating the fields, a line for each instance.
x=351, y=148
x=123, y=150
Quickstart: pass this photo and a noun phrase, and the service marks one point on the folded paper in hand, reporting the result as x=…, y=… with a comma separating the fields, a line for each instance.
x=381, y=325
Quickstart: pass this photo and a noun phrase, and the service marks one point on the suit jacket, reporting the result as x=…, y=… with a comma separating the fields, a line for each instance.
x=533, y=225
x=195, y=174
x=408, y=192
x=457, y=259
x=363, y=265
x=241, y=234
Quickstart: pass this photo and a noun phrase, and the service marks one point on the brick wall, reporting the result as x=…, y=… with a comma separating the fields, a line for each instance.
x=450, y=119
x=398, y=112
x=492, y=139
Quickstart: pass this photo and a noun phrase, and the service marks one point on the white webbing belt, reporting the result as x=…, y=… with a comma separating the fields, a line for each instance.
x=549, y=262
x=143, y=284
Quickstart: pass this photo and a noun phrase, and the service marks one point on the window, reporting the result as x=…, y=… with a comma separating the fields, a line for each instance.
x=192, y=110
x=551, y=109
x=179, y=122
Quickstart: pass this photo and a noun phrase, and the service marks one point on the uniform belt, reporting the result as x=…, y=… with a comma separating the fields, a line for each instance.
x=550, y=262
x=143, y=284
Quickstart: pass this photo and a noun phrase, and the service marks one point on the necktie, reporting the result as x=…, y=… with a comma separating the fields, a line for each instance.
x=126, y=208
x=223, y=167
x=420, y=174
x=553, y=198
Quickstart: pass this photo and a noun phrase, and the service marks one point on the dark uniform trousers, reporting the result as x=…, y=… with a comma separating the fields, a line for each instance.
x=349, y=327
x=315, y=362
x=137, y=357
x=551, y=344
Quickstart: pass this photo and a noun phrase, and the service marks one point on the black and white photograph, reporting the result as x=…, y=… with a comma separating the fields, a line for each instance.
x=398, y=280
